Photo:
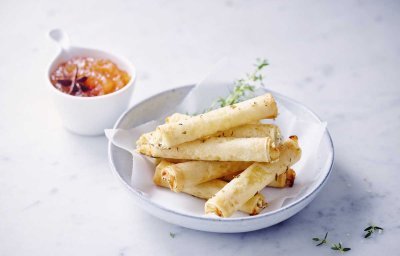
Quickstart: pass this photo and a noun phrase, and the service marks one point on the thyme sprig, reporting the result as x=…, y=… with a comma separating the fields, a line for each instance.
x=243, y=87
x=336, y=247
x=172, y=235
x=371, y=229
x=320, y=240
x=340, y=248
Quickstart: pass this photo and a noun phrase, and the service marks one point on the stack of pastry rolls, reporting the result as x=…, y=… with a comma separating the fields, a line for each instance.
x=225, y=156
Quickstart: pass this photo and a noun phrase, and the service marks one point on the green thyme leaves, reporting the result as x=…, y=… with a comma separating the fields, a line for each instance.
x=243, y=87
x=335, y=247
x=320, y=240
x=340, y=248
x=371, y=229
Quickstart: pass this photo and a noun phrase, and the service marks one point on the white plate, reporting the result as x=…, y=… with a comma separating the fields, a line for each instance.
x=158, y=105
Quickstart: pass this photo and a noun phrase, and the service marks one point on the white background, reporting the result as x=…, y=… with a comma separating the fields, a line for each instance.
x=340, y=58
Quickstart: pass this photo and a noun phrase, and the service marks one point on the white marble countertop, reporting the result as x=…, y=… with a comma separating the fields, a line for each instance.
x=340, y=58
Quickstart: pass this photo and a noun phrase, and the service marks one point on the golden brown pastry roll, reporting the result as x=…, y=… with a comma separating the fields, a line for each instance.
x=217, y=149
x=230, y=177
x=283, y=180
x=279, y=181
x=148, y=138
x=176, y=117
x=253, y=131
x=290, y=177
x=175, y=133
x=252, y=180
x=245, y=131
x=182, y=175
x=206, y=190
x=173, y=161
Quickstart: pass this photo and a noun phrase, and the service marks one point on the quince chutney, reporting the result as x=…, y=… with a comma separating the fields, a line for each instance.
x=87, y=77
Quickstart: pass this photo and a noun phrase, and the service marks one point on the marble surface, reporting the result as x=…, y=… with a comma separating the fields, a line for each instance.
x=341, y=58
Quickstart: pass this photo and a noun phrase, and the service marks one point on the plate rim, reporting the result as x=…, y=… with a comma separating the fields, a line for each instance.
x=288, y=207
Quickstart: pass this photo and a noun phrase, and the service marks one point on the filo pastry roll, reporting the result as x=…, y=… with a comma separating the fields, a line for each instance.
x=255, y=129
x=207, y=189
x=283, y=180
x=182, y=175
x=252, y=180
x=175, y=133
x=176, y=117
x=244, y=131
x=217, y=149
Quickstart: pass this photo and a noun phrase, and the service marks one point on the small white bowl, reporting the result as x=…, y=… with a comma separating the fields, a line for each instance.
x=89, y=115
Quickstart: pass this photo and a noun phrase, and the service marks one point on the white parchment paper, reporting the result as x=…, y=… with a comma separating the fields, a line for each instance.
x=216, y=85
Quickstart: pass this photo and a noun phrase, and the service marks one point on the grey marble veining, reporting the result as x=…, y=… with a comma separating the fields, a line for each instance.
x=340, y=58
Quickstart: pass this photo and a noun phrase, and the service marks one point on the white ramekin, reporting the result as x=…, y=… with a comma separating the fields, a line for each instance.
x=91, y=115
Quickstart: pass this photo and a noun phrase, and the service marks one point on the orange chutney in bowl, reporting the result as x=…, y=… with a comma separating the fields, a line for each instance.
x=87, y=77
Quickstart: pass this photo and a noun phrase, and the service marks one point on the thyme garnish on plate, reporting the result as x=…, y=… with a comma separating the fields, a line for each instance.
x=172, y=235
x=243, y=87
x=371, y=229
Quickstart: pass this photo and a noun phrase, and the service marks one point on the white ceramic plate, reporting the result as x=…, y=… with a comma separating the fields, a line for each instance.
x=158, y=105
